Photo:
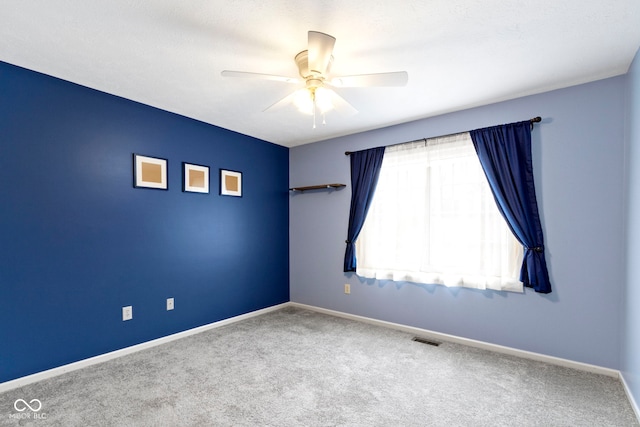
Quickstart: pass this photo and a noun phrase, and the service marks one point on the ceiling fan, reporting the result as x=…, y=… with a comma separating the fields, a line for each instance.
x=314, y=66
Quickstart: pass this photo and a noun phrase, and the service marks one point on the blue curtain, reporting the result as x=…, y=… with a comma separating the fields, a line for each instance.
x=505, y=154
x=365, y=170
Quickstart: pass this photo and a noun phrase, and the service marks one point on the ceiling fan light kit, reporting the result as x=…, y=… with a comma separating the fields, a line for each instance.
x=313, y=98
x=314, y=65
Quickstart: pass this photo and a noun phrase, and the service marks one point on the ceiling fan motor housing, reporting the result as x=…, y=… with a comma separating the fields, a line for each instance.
x=302, y=61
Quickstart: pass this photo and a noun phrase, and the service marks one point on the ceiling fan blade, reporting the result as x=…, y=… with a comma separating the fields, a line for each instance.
x=398, y=78
x=320, y=49
x=287, y=100
x=340, y=104
x=245, y=74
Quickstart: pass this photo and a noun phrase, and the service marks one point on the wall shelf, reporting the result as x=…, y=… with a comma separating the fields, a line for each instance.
x=318, y=187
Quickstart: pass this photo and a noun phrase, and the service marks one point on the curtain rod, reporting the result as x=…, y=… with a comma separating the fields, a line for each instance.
x=534, y=120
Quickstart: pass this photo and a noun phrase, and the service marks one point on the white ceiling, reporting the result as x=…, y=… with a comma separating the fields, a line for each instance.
x=458, y=53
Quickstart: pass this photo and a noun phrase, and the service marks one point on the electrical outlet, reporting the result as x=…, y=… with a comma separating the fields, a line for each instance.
x=127, y=313
x=347, y=288
x=169, y=304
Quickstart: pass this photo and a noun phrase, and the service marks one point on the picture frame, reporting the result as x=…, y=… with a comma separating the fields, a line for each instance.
x=150, y=172
x=195, y=178
x=230, y=183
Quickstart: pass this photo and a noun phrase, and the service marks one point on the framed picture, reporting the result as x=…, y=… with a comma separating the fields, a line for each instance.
x=195, y=178
x=230, y=183
x=149, y=172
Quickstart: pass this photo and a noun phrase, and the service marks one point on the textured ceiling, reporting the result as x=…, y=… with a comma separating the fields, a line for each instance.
x=458, y=53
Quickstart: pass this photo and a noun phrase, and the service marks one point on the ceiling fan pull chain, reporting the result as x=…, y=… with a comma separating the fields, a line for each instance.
x=313, y=98
x=314, y=117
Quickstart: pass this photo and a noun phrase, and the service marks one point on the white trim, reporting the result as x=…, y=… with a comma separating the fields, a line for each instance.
x=39, y=376
x=632, y=401
x=472, y=343
x=19, y=382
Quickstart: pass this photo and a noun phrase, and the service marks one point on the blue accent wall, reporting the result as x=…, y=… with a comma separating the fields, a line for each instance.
x=78, y=242
x=631, y=339
x=578, y=156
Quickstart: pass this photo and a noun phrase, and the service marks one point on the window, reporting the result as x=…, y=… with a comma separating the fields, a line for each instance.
x=433, y=219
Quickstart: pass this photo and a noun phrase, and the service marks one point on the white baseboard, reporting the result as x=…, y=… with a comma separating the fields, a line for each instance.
x=472, y=343
x=19, y=382
x=487, y=346
x=632, y=401
x=39, y=376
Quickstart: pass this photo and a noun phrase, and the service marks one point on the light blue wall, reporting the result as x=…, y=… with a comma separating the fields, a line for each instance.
x=578, y=153
x=631, y=339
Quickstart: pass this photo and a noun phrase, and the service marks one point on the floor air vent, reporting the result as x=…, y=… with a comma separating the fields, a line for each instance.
x=426, y=341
